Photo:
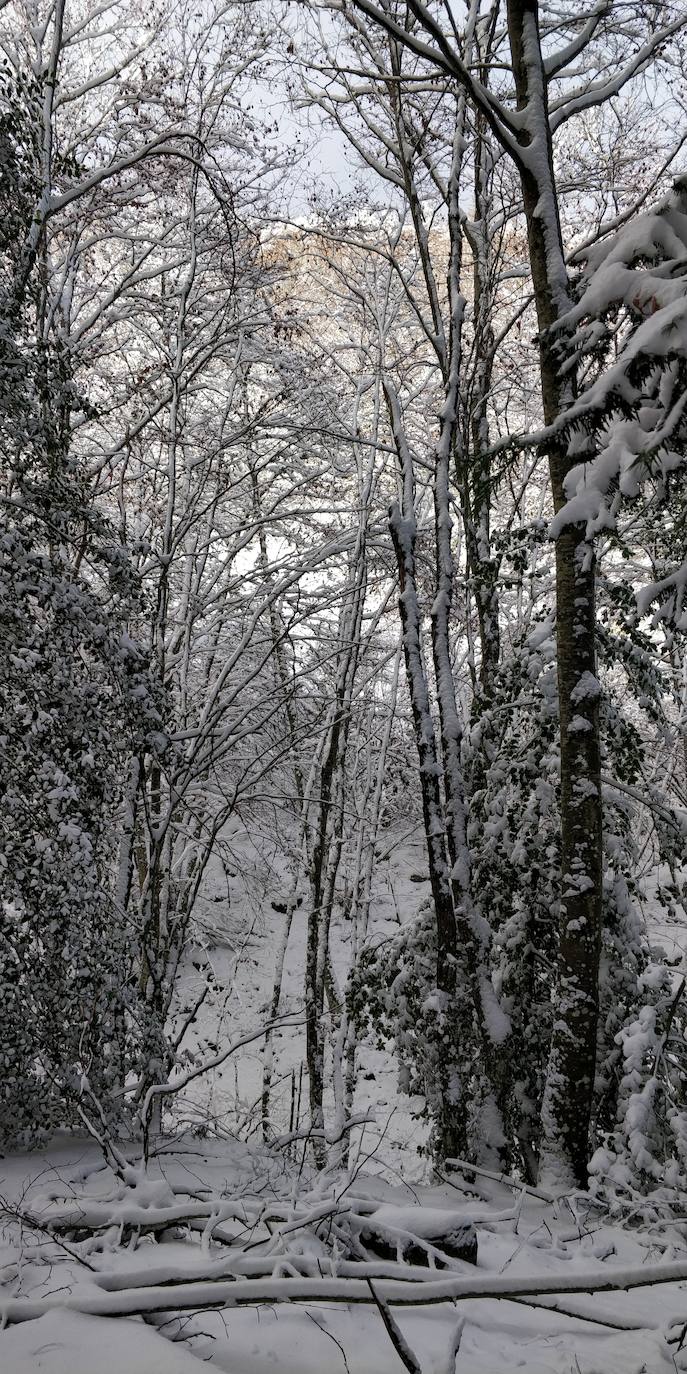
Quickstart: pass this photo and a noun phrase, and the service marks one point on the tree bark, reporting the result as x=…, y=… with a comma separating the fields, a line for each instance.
x=450, y=1129
x=567, y=1101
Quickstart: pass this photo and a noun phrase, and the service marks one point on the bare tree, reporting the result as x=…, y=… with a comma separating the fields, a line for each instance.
x=547, y=91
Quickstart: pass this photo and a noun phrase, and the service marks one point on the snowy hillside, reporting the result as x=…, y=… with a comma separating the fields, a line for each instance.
x=241, y=946
x=92, y=1263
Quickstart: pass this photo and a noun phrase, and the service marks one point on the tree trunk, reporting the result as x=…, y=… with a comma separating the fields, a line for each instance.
x=450, y=1129
x=328, y=842
x=570, y=1075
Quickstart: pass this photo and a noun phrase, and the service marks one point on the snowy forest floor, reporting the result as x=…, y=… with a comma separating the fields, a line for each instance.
x=241, y=1258
x=244, y=927
x=73, y=1288
x=242, y=912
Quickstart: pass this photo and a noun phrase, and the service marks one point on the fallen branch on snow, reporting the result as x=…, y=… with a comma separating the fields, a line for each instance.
x=246, y=1292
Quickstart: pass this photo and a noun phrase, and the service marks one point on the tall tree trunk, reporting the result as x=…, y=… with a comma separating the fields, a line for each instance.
x=328, y=841
x=450, y=1130
x=473, y=934
x=570, y=1075
x=474, y=476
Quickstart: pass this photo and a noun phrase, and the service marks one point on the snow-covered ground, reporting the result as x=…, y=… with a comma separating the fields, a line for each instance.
x=254, y=1232
x=244, y=970
x=522, y=1241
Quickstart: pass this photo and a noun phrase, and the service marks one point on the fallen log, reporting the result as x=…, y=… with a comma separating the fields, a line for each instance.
x=458, y=1241
x=256, y=1292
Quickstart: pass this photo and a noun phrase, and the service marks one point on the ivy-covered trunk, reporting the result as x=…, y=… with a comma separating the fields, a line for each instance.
x=570, y=1075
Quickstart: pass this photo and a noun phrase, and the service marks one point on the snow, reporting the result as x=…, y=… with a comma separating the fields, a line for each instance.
x=630, y=447
x=226, y=1248
x=532, y=1248
x=64, y=1342
x=578, y=725
x=524, y=1241
x=587, y=687
x=244, y=971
